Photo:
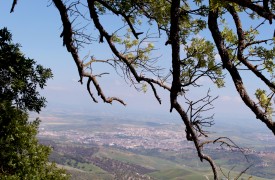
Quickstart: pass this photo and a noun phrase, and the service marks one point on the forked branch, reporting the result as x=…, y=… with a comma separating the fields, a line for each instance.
x=124, y=59
x=241, y=47
x=68, y=41
x=233, y=71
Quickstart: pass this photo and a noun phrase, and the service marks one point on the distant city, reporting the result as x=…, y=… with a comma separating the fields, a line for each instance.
x=154, y=139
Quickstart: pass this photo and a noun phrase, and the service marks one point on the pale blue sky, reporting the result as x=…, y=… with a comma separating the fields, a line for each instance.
x=37, y=28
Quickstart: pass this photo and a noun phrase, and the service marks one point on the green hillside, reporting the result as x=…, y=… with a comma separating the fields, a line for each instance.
x=94, y=173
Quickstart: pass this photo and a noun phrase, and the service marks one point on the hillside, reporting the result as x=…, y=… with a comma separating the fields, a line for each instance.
x=112, y=148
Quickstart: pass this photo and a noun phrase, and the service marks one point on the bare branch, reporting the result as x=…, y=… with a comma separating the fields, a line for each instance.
x=195, y=108
x=67, y=35
x=68, y=41
x=155, y=92
x=89, y=90
x=13, y=6
x=242, y=172
x=101, y=94
x=126, y=17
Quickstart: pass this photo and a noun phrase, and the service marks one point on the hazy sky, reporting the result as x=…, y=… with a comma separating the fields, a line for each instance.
x=37, y=28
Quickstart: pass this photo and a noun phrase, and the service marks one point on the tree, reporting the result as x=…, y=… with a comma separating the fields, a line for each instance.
x=21, y=155
x=185, y=26
x=20, y=76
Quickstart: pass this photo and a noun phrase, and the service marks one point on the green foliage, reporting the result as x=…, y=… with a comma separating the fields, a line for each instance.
x=144, y=87
x=217, y=4
x=267, y=55
x=21, y=156
x=20, y=76
x=137, y=51
x=160, y=10
x=200, y=58
x=264, y=101
x=229, y=35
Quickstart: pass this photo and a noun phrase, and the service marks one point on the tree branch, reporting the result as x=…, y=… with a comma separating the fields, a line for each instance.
x=260, y=10
x=219, y=41
x=101, y=94
x=103, y=33
x=241, y=47
x=126, y=17
x=13, y=6
x=175, y=44
x=67, y=35
x=68, y=41
x=89, y=90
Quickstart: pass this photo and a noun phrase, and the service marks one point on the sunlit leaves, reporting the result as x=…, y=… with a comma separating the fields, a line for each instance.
x=229, y=35
x=236, y=37
x=266, y=56
x=200, y=61
x=158, y=11
x=217, y=4
x=116, y=39
x=144, y=87
x=264, y=101
x=269, y=65
x=138, y=51
x=134, y=49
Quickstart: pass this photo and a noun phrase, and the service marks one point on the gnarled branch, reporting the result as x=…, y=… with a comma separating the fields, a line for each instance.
x=219, y=41
x=68, y=41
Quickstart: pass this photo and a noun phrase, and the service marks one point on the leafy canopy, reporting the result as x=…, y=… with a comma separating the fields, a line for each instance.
x=21, y=155
x=20, y=76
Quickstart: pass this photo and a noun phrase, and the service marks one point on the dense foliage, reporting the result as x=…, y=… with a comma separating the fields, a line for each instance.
x=20, y=76
x=21, y=155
